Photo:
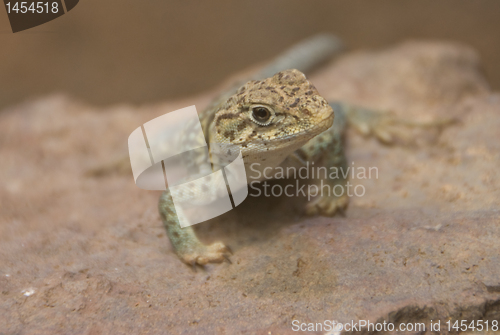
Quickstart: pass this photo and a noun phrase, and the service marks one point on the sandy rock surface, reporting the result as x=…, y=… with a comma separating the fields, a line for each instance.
x=83, y=251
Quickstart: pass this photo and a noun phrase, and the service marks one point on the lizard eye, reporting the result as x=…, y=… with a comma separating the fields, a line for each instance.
x=261, y=115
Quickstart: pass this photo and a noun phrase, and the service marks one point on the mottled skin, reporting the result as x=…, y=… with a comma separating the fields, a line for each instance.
x=279, y=120
x=296, y=114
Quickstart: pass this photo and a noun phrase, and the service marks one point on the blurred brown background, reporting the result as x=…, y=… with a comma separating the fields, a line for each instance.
x=114, y=51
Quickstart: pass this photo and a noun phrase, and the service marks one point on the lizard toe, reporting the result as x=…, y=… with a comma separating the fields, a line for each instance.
x=214, y=253
x=327, y=206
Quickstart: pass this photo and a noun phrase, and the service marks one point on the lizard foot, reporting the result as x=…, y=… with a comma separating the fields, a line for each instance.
x=203, y=254
x=389, y=129
x=327, y=205
x=380, y=125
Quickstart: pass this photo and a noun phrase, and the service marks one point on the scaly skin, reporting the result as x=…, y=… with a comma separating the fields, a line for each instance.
x=296, y=114
x=279, y=120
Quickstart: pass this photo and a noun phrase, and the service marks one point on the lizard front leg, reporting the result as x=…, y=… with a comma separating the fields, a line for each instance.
x=187, y=246
x=327, y=150
x=331, y=193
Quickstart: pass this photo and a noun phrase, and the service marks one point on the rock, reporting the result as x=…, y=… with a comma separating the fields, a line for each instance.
x=421, y=244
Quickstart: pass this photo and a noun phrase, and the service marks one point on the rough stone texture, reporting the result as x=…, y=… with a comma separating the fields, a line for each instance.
x=85, y=252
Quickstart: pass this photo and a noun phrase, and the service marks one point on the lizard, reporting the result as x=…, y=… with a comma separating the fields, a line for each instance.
x=277, y=118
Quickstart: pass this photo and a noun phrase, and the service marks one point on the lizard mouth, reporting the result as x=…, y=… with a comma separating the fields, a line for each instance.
x=323, y=124
x=303, y=134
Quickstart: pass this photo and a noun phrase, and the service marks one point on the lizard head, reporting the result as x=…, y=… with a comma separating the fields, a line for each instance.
x=272, y=117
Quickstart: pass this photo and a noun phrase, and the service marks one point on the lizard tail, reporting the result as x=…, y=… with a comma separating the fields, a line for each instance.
x=304, y=56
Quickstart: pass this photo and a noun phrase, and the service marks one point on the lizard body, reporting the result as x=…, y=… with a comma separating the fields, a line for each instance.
x=277, y=119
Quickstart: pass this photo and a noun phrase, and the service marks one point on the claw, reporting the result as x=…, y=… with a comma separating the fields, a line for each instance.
x=363, y=128
x=327, y=206
x=227, y=259
x=201, y=255
x=383, y=135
